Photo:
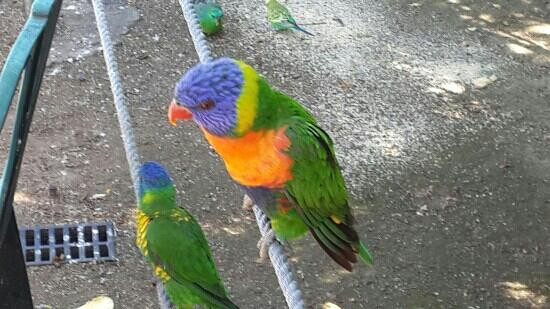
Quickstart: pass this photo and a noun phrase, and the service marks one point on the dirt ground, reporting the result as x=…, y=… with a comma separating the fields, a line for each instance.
x=440, y=111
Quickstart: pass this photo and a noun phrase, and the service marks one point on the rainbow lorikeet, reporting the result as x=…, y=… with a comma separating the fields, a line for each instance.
x=209, y=13
x=275, y=150
x=280, y=18
x=175, y=245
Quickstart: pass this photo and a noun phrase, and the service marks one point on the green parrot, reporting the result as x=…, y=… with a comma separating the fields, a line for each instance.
x=280, y=18
x=276, y=151
x=209, y=13
x=175, y=245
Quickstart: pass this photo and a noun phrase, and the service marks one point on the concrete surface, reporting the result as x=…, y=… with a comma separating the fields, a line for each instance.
x=439, y=111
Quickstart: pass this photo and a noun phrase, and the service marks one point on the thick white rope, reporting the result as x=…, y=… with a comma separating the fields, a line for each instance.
x=118, y=94
x=122, y=114
x=279, y=259
x=277, y=255
x=201, y=45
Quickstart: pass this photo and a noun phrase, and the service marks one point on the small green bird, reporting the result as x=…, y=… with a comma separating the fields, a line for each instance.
x=280, y=17
x=175, y=245
x=209, y=13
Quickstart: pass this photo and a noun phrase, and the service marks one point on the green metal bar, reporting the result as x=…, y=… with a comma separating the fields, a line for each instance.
x=29, y=53
x=36, y=37
x=20, y=53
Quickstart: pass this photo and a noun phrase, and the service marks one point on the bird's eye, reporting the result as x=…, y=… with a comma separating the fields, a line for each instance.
x=206, y=105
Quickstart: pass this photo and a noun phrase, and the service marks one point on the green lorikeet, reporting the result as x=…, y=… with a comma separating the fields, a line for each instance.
x=175, y=245
x=280, y=18
x=275, y=150
x=209, y=13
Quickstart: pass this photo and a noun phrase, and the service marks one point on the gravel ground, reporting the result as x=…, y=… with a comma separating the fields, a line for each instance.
x=439, y=111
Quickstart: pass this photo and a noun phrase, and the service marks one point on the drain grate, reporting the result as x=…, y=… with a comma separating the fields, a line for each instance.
x=68, y=242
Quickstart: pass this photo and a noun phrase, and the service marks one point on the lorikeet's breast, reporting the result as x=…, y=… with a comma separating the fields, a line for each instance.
x=256, y=159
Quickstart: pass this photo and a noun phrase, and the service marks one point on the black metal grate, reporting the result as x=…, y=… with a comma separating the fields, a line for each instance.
x=68, y=243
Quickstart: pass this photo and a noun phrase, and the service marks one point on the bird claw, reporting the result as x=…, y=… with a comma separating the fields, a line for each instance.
x=264, y=243
x=248, y=203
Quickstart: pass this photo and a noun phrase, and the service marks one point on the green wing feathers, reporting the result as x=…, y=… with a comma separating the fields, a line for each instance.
x=317, y=183
x=185, y=294
x=178, y=245
x=319, y=191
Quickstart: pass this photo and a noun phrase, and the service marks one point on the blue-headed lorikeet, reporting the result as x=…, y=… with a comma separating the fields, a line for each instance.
x=175, y=245
x=275, y=150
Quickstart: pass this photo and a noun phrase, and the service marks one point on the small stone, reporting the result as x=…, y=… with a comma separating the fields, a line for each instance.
x=98, y=196
x=53, y=192
x=453, y=87
x=484, y=81
x=339, y=20
x=57, y=260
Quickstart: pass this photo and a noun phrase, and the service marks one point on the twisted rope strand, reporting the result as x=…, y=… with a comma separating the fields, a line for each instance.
x=122, y=114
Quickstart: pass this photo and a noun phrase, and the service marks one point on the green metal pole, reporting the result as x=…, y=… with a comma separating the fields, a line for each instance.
x=14, y=283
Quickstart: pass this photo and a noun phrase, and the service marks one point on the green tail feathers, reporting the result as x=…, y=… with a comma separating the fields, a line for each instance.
x=219, y=302
x=365, y=254
x=188, y=295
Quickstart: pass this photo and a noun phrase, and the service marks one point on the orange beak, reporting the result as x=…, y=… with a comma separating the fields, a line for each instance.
x=177, y=111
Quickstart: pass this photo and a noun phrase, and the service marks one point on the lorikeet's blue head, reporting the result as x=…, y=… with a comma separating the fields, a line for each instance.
x=220, y=96
x=153, y=176
x=156, y=188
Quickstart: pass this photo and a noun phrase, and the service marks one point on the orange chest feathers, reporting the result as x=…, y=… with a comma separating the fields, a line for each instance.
x=257, y=158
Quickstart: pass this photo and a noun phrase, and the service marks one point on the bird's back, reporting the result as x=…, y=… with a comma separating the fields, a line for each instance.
x=276, y=12
x=178, y=249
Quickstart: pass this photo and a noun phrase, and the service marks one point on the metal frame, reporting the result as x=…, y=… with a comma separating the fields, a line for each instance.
x=28, y=58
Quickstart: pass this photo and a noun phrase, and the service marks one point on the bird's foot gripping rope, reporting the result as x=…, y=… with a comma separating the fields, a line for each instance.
x=278, y=257
x=247, y=203
x=264, y=243
x=276, y=252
